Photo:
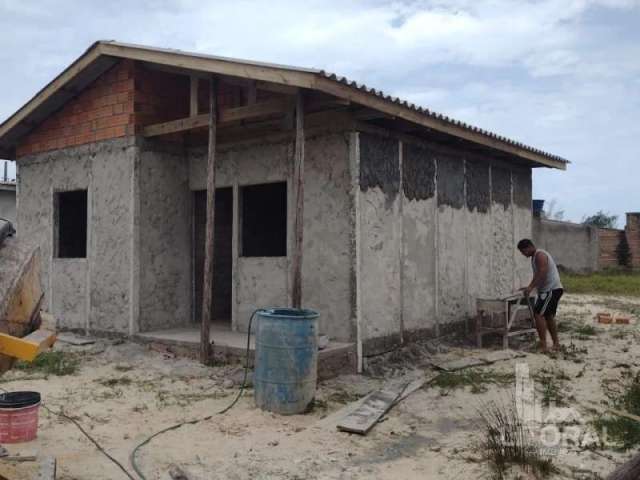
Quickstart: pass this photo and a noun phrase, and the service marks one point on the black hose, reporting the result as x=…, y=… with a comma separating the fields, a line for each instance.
x=209, y=417
x=172, y=427
x=91, y=439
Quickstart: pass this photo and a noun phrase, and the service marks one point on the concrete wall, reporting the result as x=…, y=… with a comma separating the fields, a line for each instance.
x=8, y=202
x=573, y=246
x=435, y=229
x=92, y=292
x=583, y=248
x=399, y=238
x=380, y=238
x=264, y=281
x=164, y=236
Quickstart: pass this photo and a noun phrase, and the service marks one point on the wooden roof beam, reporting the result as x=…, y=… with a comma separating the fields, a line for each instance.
x=227, y=116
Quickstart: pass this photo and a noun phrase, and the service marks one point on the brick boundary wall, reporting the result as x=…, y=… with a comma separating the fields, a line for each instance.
x=632, y=231
x=609, y=239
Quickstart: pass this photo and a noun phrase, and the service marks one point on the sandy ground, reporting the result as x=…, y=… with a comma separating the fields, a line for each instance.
x=125, y=392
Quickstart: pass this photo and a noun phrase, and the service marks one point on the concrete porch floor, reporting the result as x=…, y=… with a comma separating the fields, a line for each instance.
x=337, y=358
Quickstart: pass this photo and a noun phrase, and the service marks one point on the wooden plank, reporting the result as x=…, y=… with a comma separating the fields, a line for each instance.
x=214, y=65
x=460, y=364
x=355, y=417
x=174, y=126
x=375, y=405
x=26, y=348
x=226, y=116
x=251, y=93
x=207, y=290
x=298, y=179
x=276, y=88
x=501, y=355
x=193, y=96
x=267, y=108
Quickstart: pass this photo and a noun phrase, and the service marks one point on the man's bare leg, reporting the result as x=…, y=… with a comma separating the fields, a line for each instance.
x=553, y=330
x=541, y=326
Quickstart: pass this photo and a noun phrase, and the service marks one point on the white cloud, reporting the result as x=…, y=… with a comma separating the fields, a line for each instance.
x=562, y=75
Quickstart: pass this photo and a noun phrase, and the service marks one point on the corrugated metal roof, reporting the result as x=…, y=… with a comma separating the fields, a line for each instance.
x=355, y=85
x=14, y=127
x=436, y=115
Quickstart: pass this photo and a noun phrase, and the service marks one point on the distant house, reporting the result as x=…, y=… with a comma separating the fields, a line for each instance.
x=7, y=196
x=408, y=215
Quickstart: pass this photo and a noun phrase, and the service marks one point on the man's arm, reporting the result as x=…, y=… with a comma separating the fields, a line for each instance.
x=542, y=266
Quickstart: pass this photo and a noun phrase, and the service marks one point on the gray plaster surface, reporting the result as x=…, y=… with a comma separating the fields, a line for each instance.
x=111, y=215
x=419, y=270
x=573, y=246
x=380, y=225
x=434, y=231
x=427, y=270
x=94, y=291
x=263, y=282
x=165, y=237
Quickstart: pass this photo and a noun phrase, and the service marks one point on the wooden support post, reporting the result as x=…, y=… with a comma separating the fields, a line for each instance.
x=251, y=92
x=193, y=104
x=298, y=179
x=207, y=290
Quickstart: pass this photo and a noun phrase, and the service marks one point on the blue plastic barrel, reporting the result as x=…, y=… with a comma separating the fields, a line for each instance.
x=286, y=360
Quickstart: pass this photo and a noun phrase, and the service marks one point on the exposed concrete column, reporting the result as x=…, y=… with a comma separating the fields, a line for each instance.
x=354, y=170
x=436, y=250
x=134, y=279
x=401, y=250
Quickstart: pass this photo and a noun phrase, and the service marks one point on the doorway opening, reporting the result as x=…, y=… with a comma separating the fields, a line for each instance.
x=222, y=254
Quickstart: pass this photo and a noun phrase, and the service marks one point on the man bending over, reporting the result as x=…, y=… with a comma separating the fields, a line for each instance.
x=546, y=280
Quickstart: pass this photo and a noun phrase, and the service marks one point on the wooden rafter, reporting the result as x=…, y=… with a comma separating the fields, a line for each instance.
x=286, y=80
x=227, y=117
x=193, y=96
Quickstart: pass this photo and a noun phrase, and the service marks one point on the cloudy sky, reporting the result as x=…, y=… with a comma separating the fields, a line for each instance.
x=560, y=75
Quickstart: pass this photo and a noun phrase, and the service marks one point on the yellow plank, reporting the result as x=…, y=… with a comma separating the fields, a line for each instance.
x=29, y=347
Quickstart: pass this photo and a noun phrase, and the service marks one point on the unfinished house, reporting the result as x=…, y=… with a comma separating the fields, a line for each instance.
x=408, y=216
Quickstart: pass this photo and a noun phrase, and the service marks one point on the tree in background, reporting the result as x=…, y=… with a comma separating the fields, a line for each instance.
x=552, y=212
x=623, y=252
x=601, y=219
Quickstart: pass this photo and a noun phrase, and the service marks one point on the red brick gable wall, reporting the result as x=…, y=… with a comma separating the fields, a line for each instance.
x=119, y=103
x=103, y=110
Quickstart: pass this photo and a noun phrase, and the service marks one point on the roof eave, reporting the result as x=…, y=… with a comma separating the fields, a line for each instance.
x=402, y=110
x=54, y=93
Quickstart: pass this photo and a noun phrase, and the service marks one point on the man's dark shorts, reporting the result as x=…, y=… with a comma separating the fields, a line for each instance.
x=546, y=303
